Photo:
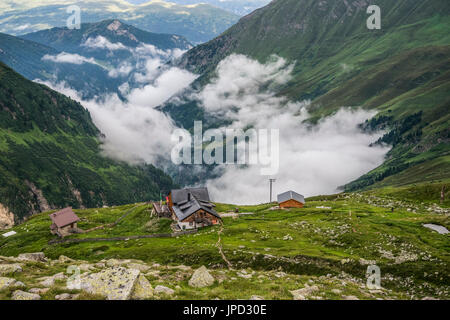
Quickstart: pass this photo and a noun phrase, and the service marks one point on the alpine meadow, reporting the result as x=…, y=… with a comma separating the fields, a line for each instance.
x=209, y=157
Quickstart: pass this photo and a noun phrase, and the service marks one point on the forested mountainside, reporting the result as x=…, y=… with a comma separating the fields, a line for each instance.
x=51, y=155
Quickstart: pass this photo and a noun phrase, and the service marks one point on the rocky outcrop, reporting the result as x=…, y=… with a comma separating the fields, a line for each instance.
x=42, y=201
x=6, y=218
x=115, y=283
x=201, y=278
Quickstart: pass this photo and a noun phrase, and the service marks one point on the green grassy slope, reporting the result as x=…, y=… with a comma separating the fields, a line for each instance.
x=51, y=156
x=309, y=242
x=402, y=70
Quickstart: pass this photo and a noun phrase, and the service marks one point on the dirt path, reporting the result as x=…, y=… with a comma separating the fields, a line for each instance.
x=219, y=246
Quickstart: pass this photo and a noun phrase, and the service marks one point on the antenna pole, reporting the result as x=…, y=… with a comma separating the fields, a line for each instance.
x=271, y=182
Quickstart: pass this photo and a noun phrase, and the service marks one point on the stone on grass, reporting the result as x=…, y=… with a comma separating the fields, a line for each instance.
x=301, y=294
x=10, y=268
x=143, y=290
x=39, y=291
x=201, y=278
x=162, y=289
x=350, y=298
x=139, y=266
x=22, y=295
x=50, y=281
x=256, y=298
x=47, y=282
x=114, y=283
x=34, y=256
x=336, y=291
x=6, y=282
x=66, y=296
x=64, y=259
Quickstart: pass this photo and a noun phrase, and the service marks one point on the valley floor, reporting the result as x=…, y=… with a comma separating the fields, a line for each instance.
x=319, y=252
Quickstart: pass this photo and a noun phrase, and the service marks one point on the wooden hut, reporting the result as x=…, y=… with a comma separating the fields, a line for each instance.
x=291, y=199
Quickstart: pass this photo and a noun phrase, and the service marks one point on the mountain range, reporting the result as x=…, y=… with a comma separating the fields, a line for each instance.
x=198, y=23
x=401, y=71
x=86, y=59
x=239, y=7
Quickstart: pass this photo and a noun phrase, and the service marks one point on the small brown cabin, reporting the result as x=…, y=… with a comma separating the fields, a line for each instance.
x=64, y=222
x=291, y=199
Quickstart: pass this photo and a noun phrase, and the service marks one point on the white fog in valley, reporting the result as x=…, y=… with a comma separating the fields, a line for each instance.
x=313, y=159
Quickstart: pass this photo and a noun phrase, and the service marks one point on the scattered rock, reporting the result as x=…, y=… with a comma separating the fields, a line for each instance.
x=162, y=289
x=244, y=274
x=301, y=294
x=39, y=291
x=50, y=281
x=35, y=256
x=201, y=278
x=47, y=282
x=66, y=296
x=256, y=298
x=288, y=237
x=22, y=295
x=142, y=290
x=336, y=291
x=85, y=267
x=139, y=266
x=64, y=259
x=350, y=298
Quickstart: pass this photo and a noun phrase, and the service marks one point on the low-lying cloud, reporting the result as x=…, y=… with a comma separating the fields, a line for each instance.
x=314, y=159
x=65, y=57
x=101, y=42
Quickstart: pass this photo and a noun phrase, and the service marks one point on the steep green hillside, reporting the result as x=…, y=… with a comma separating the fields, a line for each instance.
x=329, y=243
x=51, y=157
x=402, y=70
x=198, y=23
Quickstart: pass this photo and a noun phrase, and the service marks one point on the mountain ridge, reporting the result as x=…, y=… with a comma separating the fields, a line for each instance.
x=198, y=23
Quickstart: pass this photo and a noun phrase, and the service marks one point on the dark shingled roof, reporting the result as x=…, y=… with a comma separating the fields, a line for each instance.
x=291, y=195
x=64, y=217
x=188, y=201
